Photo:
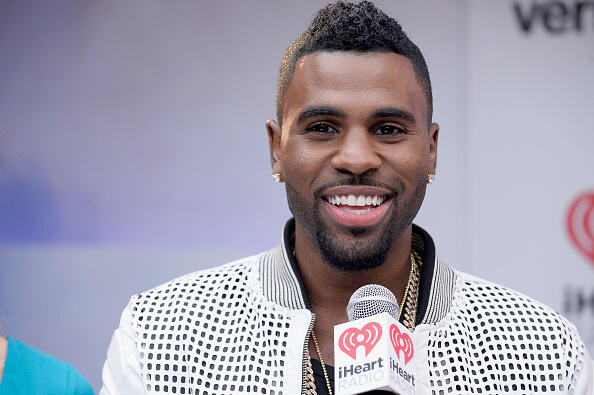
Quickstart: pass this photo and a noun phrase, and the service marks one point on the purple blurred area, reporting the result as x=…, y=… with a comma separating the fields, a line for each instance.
x=110, y=133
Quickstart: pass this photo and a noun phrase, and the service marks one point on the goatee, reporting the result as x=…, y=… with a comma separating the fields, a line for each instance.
x=357, y=252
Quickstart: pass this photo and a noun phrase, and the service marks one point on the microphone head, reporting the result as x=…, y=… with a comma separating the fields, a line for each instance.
x=372, y=299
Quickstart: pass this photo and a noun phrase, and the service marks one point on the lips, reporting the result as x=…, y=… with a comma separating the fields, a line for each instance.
x=357, y=206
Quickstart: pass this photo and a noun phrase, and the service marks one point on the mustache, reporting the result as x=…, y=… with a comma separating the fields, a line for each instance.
x=355, y=180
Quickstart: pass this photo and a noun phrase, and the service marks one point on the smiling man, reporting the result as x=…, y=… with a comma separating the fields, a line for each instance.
x=355, y=150
x=356, y=147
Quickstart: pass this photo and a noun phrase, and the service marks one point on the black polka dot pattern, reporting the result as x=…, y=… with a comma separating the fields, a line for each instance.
x=211, y=333
x=226, y=331
x=500, y=341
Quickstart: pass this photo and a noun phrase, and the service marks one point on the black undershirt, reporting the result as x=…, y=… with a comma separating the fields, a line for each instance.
x=321, y=385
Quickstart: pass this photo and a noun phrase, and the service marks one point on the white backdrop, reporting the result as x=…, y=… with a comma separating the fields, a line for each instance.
x=133, y=150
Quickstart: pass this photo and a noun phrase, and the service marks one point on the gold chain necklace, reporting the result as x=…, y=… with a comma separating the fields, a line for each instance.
x=408, y=305
x=313, y=336
x=410, y=301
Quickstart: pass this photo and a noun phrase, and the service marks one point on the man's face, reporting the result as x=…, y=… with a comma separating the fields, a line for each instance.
x=354, y=151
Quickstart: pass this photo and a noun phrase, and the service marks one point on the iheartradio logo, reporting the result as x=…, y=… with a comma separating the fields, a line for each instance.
x=401, y=342
x=388, y=362
x=352, y=338
x=580, y=224
x=369, y=335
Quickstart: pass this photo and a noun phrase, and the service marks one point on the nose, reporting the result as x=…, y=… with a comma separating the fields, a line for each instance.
x=356, y=153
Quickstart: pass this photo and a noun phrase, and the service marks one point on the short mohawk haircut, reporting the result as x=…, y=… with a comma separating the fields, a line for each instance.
x=358, y=27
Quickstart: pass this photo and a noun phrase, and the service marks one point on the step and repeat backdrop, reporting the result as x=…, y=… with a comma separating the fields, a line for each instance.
x=133, y=150
x=530, y=151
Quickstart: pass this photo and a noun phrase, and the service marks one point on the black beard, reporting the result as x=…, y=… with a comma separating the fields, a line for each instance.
x=355, y=254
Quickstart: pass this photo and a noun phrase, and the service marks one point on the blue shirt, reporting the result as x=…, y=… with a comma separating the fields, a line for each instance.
x=29, y=371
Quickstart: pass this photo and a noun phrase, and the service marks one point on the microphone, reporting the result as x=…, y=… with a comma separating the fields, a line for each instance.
x=373, y=351
x=372, y=299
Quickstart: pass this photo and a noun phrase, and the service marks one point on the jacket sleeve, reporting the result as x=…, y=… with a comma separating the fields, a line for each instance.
x=585, y=382
x=121, y=371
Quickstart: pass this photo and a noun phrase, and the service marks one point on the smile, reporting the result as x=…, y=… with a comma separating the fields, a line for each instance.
x=360, y=204
x=357, y=208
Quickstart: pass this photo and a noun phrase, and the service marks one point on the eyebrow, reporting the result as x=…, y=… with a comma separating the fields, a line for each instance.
x=388, y=112
x=312, y=112
x=393, y=112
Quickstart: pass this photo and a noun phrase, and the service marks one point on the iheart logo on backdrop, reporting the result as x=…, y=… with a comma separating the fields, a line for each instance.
x=401, y=342
x=352, y=338
x=580, y=224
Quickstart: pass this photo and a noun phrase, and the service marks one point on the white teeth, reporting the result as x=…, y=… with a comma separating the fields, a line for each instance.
x=361, y=201
x=356, y=201
x=358, y=211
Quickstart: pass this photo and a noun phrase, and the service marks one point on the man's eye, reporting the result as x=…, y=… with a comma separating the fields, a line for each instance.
x=321, y=128
x=389, y=130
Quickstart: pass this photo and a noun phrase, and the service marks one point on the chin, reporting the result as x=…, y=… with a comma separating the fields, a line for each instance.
x=352, y=249
x=355, y=253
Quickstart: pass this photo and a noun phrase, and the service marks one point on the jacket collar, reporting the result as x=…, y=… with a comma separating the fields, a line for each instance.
x=282, y=282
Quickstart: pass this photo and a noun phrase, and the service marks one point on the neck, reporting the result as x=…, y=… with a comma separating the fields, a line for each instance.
x=329, y=289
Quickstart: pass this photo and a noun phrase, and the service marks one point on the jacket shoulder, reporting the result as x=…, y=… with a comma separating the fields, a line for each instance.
x=490, y=303
x=503, y=301
x=509, y=328
x=236, y=278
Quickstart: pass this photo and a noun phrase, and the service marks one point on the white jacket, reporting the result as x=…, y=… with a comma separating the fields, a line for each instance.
x=244, y=327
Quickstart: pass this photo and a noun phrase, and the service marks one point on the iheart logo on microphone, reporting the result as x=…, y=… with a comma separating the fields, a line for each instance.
x=388, y=362
x=352, y=338
x=401, y=342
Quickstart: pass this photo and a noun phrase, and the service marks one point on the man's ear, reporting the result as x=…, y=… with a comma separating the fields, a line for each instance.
x=433, y=136
x=274, y=142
